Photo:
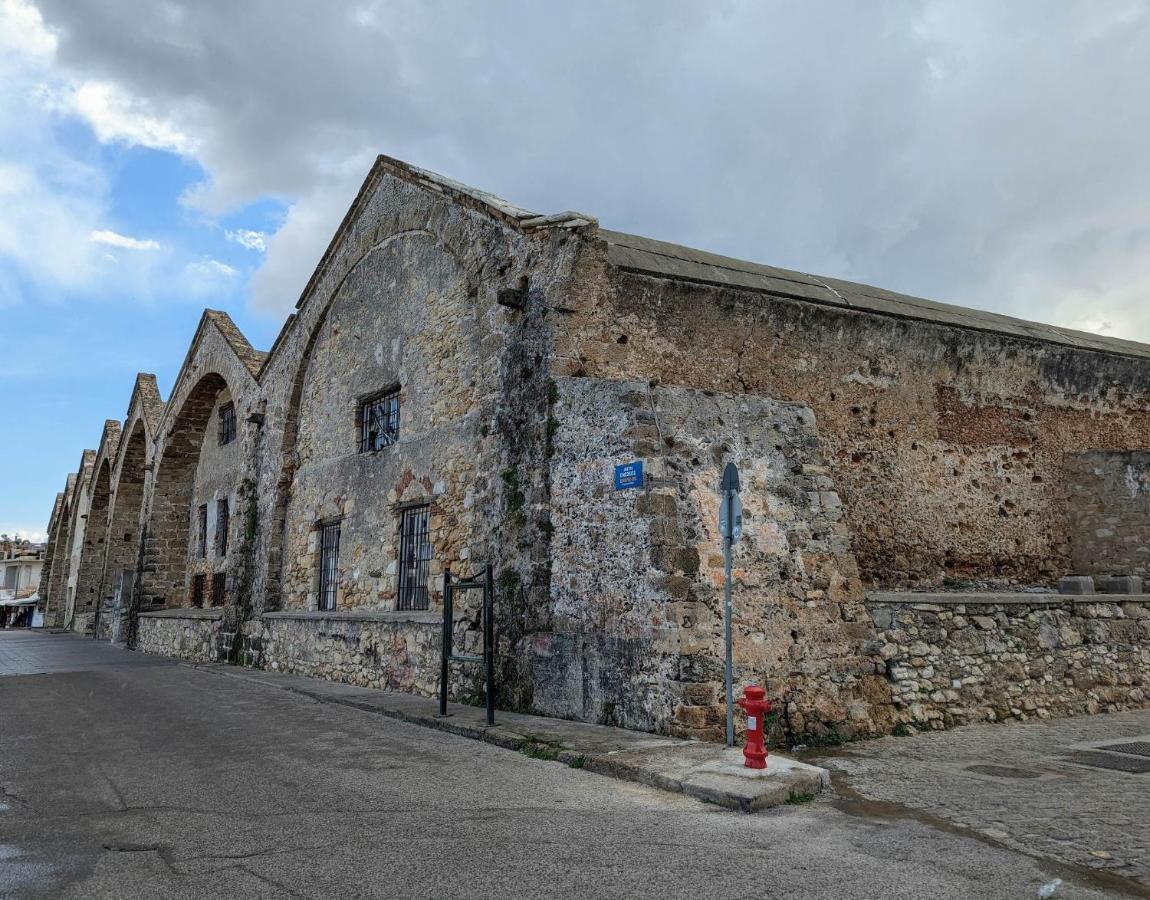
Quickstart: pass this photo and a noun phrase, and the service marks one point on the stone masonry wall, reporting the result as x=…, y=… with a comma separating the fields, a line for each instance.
x=956, y=659
x=946, y=444
x=636, y=596
x=391, y=651
x=183, y=633
x=1109, y=508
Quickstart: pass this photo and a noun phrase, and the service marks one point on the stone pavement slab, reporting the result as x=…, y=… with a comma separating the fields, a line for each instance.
x=27, y=651
x=1020, y=784
x=708, y=772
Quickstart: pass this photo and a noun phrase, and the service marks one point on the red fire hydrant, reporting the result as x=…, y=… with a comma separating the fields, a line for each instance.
x=755, y=705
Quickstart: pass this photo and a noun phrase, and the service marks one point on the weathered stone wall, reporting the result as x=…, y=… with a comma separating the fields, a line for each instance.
x=453, y=306
x=636, y=638
x=396, y=651
x=402, y=319
x=945, y=443
x=183, y=633
x=74, y=536
x=529, y=361
x=219, y=361
x=1109, y=508
x=957, y=659
x=218, y=474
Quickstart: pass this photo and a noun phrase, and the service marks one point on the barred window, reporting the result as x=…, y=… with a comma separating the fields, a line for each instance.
x=202, y=531
x=198, y=590
x=379, y=422
x=414, y=558
x=223, y=522
x=219, y=588
x=227, y=423
x=328, y=565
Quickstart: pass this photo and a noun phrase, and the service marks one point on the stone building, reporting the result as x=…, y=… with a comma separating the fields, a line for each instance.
x=455, y=389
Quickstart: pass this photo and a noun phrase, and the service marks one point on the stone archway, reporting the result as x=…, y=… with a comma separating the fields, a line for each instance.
x=91, y=568
x=166, y=540
x=123, y=542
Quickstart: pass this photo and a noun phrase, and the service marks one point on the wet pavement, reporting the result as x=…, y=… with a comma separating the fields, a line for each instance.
x=1023, y=785
x=126, y=777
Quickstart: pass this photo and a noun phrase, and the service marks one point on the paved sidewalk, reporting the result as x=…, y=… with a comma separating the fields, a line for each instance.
x=707, y=772
x=1017, y=784
x=38, y=651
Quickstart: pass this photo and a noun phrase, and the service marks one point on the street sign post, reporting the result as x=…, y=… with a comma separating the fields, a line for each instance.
x=731, y=528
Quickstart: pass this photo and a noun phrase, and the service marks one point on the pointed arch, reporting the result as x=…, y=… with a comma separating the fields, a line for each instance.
x=166, y=539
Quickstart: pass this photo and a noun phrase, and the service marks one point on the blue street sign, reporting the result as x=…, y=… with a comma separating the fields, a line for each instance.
x=629, y=475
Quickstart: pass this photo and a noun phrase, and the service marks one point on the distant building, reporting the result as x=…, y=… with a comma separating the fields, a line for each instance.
x=21, y=563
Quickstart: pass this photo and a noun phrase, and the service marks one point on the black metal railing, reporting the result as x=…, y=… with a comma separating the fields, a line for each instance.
x=329, y=565
x=379, y=422
x=451, y=584
x=414, y=558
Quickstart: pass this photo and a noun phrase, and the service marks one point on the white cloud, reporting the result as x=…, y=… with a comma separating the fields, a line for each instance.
x=967, y=150
x=250, y=240
x=22, y=29
x=212, y=268
x=113, y=239
x=116, y=116
x=25, y=532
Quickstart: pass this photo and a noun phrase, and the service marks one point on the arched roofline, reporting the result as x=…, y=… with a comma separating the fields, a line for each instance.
x=108, y=449
x=248, y=359
x=495, y=208
x=145, y=409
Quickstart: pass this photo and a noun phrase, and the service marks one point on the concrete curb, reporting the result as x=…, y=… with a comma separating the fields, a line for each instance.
x=708, y=772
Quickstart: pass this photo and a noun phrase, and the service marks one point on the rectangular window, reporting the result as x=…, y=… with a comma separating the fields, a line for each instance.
x=219, y=588
x=414, y=557
x=328, y=565
x=223, y=522
x=379, y=422
x=227, y=423
x=202, y=531
x=198, y=590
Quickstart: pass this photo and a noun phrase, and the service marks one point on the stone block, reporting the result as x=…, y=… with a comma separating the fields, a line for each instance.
x=1118, y=584
x=1076, y=585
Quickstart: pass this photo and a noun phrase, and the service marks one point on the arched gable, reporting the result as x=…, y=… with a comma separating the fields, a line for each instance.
x=93, y=548
x=77, y=525
x=217, y=377
x=492, y=245
x=50, y=552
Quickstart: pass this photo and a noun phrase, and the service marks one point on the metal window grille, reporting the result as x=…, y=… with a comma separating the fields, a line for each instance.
x=223, y=522
x=202, y=531
x=414, y=557
x=219, y=588
x=379, y=422
x=197, y=590
x=227, y=423
x=328, y=565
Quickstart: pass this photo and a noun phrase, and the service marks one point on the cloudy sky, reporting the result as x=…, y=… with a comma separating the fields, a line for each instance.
x=160, y=156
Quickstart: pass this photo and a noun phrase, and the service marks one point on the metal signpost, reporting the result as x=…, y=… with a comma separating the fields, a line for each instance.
x=731, y=528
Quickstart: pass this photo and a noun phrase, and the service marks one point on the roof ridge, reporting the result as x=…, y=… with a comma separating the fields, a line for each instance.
x=646, y=255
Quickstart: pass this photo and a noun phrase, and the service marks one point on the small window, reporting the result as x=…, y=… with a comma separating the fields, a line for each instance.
x=414, y=557
x=227, y=423
x=198, y=590
x=219, y=588
x=223, y=522
x=202, y=531
x=379, y=422
x=328, y=565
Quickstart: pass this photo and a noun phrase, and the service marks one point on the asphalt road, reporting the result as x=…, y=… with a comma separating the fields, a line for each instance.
x=131, y=777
